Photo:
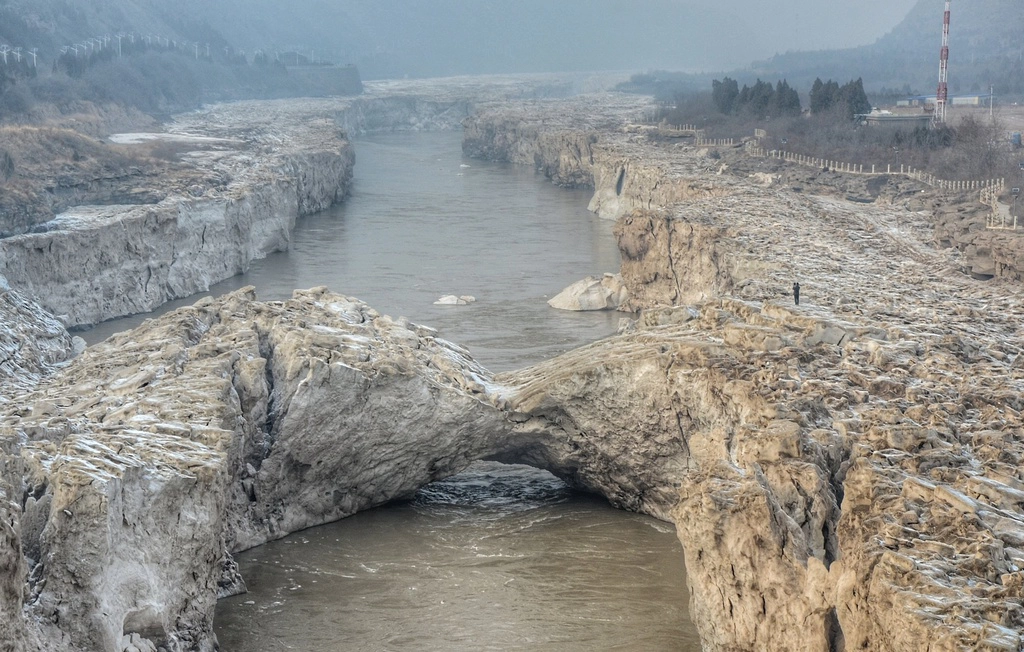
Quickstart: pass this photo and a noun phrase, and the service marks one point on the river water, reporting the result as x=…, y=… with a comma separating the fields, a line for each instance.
x=421, y=223
x=497, y=558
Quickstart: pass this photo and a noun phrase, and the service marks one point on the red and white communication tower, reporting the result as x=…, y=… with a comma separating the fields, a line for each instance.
x=943, y=93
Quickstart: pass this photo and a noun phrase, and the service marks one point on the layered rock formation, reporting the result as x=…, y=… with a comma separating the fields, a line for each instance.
x=239, y=202
x=845, y=474
x=33, y=345
x=13, y=631
x=154, y=455
x=52, y=169
x=847, y=470
x=32, y=342
x=574, y=146
x=165, y=216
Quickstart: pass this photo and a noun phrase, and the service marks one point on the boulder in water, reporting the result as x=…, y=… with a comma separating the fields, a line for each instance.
x=452, y=300
x=592, y=293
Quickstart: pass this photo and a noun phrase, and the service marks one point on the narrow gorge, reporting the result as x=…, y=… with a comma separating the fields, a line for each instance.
x=847, y=468
x=844, y=473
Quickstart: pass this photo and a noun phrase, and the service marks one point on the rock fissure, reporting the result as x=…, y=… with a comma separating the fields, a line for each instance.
x=669, y=232
x=848, y=468
x=872, y=385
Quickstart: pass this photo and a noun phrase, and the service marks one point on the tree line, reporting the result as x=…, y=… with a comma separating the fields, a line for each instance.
x=764, y=100
x=848, y=99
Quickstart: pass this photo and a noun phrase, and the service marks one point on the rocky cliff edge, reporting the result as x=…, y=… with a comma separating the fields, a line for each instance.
x=844, y=473
x=133, y=473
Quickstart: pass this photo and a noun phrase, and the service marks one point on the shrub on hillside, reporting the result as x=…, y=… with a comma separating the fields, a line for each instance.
x=6, y=165
x=974, y=148
x=15, y=100
x=57, y=89
x=151, y=82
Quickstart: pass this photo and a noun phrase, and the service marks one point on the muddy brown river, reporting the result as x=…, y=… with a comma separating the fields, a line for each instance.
x=499, y=557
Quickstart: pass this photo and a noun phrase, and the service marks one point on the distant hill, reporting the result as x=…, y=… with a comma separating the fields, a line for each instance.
x=151, y=55
x=398, y=38
x=986, y=47
x=51, y=24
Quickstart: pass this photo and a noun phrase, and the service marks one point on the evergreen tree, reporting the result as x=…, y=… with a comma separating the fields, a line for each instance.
x=855, y=100
x=724, y=94
x=832, y=89
x=743, y=99
x=818, y=100
x=760, y=99
x=849, y=98
x=786, y=100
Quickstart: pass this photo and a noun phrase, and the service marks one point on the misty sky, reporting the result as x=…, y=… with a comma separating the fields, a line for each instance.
x=438, y=37
x=819, y=24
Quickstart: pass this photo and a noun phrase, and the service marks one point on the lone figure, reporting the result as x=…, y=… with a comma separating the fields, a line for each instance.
x=796, y=293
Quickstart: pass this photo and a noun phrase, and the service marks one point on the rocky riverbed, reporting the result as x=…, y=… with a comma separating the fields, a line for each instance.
x=845, y=473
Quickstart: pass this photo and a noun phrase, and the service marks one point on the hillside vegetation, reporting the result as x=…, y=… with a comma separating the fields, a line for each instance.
x=71, y=52
x=985, y=49
x=45, y=170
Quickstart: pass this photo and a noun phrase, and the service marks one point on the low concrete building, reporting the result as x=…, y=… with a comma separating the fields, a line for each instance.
x=954, y=100
x=911, y=120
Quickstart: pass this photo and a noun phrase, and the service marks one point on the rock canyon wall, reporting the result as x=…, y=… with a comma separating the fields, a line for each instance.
x=239, y=176
x=135, y=470
x=237, y=202
x=845, y=473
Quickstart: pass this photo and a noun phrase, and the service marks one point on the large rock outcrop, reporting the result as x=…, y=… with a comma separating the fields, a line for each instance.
x=573, y=146
x=33, y=345
x=95, y=263
x=985, y=253
x=840, y=483
x=32, y=342
x=845, y=473
x=13, y=630
x=153, y=456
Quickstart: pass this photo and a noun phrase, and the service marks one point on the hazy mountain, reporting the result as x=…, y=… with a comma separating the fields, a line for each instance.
x=439, y=37
x=444, y=37
x=985, y=48
x=50, y=24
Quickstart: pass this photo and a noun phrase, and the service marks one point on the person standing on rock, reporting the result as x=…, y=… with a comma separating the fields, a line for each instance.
x=796, y=293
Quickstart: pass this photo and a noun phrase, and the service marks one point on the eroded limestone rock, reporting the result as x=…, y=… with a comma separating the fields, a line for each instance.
x=592, y=293
x=93, y=263
x=751, y=450
x=845, y=473
x=12, y=561
x=214, y=429
x=32, y=342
